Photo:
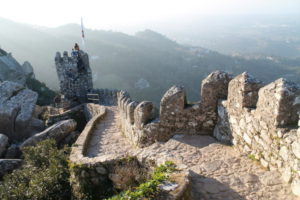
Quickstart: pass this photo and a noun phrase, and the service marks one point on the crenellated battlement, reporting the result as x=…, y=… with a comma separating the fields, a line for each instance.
x=176, y=116
x=261, y=121
x=280, y=101
x=243, y=91
x=74, y=74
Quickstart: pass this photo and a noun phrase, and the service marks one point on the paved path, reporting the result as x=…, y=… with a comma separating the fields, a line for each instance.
x=218, y=172
x=107, y=140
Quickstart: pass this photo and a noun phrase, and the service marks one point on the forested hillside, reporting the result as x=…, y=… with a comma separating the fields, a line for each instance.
x=145, y=64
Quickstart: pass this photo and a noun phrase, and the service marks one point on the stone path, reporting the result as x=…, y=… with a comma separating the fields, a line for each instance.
x=107, y=140
x=218, y=172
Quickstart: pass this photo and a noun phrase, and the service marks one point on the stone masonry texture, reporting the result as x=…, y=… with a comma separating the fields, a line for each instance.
x=75, y=76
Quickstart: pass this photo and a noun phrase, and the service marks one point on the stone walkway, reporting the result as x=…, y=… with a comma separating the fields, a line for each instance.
x=107, y=140
x=218, y=172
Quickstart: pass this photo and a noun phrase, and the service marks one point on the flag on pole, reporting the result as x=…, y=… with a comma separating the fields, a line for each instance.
x=82, y=34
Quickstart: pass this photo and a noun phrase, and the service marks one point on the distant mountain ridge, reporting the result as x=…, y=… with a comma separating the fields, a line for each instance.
x=120, y=61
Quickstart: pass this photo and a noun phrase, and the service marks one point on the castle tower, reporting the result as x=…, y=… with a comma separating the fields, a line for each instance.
x=75, y=76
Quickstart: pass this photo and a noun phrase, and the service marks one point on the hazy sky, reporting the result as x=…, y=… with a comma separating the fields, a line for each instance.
x=112, y=13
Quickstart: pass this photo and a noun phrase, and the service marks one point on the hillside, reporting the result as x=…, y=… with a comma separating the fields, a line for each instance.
x=145, y=64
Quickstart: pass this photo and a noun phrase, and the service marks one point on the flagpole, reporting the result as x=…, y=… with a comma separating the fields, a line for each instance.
x=82, y=35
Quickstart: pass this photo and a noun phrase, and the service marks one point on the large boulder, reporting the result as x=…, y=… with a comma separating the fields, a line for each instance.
x=8, y=165
x=57, y=131
x=28, y=69
x=3, y=144
x=16, y=109
x=13, y=152
x=10, y=69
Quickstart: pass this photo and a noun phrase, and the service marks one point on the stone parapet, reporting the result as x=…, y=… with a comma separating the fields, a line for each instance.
x=263, y=123
x=176, y=116
x=79, y=148
x=214, y=87
x=279, y=102
x=243, y=92
x=106, y=96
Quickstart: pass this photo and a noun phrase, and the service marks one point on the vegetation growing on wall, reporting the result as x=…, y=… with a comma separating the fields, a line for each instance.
x=150, y=188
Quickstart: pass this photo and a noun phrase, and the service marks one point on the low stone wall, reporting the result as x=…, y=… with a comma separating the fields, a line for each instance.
x=106, y=96
x=78, y=149
x=81, y=114
x=263, y=123
x=87, y=174
x=91, y=110
x=52, y=119
x=176, y=116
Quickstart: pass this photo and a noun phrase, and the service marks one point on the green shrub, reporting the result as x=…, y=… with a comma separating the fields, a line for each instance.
x=150, y=188
x=44, y=175
x=46, y=95
x=251, y=157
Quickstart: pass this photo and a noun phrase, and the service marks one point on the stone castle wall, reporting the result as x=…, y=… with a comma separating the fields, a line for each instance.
x=75, y=77
x=263, y=123
x=176, y=116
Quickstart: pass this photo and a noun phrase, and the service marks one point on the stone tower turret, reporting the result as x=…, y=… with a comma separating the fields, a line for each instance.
x=75, y=75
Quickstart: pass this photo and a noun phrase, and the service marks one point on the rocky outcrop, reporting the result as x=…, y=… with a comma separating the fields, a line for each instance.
x=13, y=152
x=8, y=165
x=3, y=144
x=2, y=52
x=28, y=69
x=16, y=109
x=57, y=131
x=10, y=69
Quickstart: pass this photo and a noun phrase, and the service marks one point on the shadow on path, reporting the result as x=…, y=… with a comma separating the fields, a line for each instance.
x=206, y=188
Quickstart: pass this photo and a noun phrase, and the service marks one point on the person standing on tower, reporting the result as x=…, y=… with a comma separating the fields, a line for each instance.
x=76, y=47
x=80, y=65
x=75, y=51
